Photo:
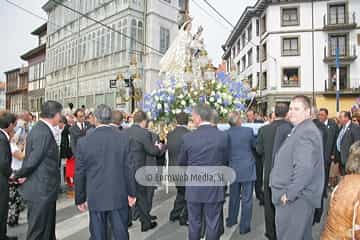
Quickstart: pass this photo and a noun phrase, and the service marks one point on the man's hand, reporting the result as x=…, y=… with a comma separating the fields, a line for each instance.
x=131, y=201
x=21, y=180
x=83, y=207
x=284, y=199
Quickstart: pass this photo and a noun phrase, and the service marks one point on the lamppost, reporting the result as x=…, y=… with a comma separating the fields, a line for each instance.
x=132, y=81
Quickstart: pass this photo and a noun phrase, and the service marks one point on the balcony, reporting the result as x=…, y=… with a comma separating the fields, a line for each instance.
x=339, y=23
x=345, y=88
x=349, y=56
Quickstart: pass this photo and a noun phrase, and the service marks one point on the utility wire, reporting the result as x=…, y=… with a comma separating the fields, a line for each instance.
x=218, y=13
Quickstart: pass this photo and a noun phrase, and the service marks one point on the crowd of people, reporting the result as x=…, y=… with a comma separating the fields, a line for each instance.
x=293, y=163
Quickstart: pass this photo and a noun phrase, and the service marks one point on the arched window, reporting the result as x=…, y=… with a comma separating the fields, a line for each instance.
x=140, y=36
x=133, y=34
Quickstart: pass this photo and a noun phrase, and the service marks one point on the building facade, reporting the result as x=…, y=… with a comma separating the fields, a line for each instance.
x=285, y=48
x=2, y=96
x=16, y=89
x=83, y=56
x=36, y=62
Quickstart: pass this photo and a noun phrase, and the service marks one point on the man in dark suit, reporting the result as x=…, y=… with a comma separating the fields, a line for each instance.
x=297, y=177
x=348, y=134
x=117, y=119
x=141, y=147
x=105, y=178
x=79, y=129
x=174, y=141
x=330, y=146
x=251, y=118
x=7, y=125
x=41, y=169
x=265, y=148
x=242, y=141
x=206, y=146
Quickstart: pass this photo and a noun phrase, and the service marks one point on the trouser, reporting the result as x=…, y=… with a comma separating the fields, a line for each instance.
x=245, y=189
x=150, y=196
x=294, y=220
x=41, y=220
x=269, y=210
x=259, y=179
x=212, y=215
x=118, y=220
x=179, y=210
x=4, y=206
x=142, y=205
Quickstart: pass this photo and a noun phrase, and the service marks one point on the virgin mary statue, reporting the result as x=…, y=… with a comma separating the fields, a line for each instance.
x=179, y=54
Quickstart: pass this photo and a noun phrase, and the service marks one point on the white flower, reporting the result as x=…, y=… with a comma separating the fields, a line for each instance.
x=157, y=98
x=173, y=111
x=225, y=110
x=178, y=111
x=166, y=105
x=195, y=92
x=183, y=102
x=181, y=96
x=212, y=93
x=159, y=106
x=219, y=100
x=201, y=88
x=211, y=99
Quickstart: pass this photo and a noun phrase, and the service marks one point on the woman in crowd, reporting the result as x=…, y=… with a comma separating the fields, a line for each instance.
x=16, y=204
x=343, y=220
x=356, y=118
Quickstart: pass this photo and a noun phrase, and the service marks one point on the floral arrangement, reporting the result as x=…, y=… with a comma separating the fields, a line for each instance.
x=171, y=97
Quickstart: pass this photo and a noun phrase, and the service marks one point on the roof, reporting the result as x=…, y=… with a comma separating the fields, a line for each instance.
x=32, y=52
x=50, y=5
x=13, y=70
x=40, y=30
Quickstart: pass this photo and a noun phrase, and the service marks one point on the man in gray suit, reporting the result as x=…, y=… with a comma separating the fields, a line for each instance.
x=297, y=178
x=41, y=169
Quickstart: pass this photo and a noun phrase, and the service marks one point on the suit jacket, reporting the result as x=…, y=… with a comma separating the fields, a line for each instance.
x=298, y=168
x=332, y=134
x=65, y=149
x=5, y=159
x=174, y=141
x=323, y=131
x=41, y=165
x=351, y=135
x=105, y=174
x=242, y=143
x=206, y=146
x=266, y=143
x=142, y=145
x=75, y=134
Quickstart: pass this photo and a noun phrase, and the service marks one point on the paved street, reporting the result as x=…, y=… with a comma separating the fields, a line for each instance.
x=72, y=225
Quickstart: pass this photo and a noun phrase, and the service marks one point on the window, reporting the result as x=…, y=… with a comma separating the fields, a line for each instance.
x=338, y=41
x=182, y=4
x=112, y=43
x=337, y=14
x=102, y=43
x=290, y=77
x=264, y=80
x=343, y=77
x=263, y=24
x=249, y=30
x=238, y=46
x=125, y=31
x=250, y=57
x=250, y=80
x=257, y=27
x=243, y=40
x=133, y=34
x=233, y=52
x=119, y=36
x=140, y=34
x=264, y=53
x=107, y=46
x=98, y=44
x=164, y=39
x=290, y=46
x=168, y=1
x=243, y=61
x=238, y=67
x=257, y=54
x=290, y=16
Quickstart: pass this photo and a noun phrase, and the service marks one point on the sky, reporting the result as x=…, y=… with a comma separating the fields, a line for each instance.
x=16, y=26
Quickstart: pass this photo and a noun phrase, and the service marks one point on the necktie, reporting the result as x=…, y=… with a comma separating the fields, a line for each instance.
x=339, y=139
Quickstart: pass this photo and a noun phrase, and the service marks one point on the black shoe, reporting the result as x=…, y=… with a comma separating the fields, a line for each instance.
x=11, y=238
x=245, y=232
x=130, y=224
x=147, y=228
x=153, y=217
x=261, y=202
x=173, y=219
x=183, y=222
